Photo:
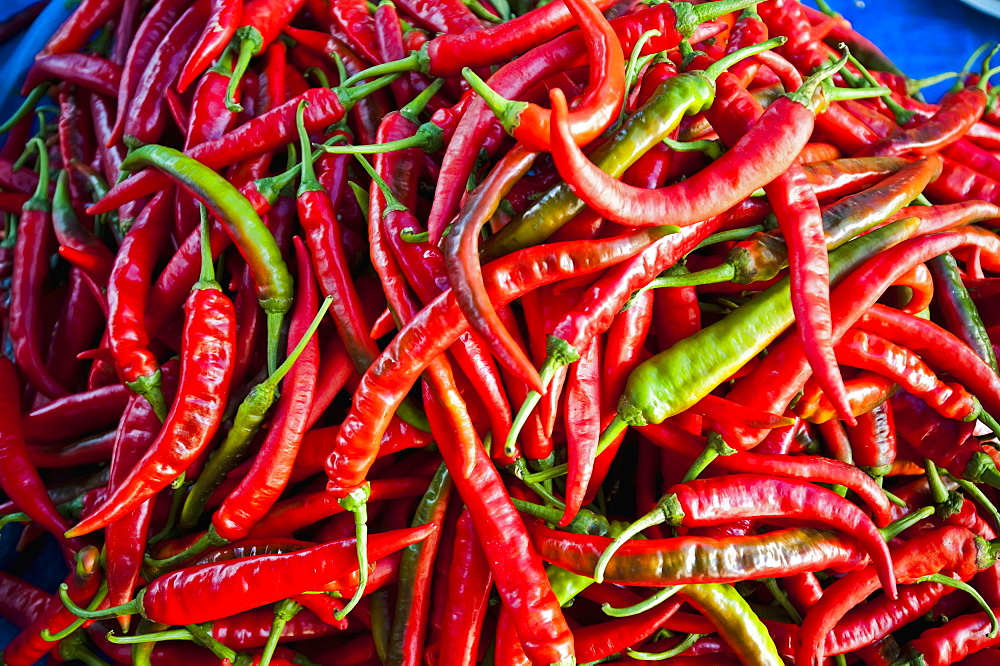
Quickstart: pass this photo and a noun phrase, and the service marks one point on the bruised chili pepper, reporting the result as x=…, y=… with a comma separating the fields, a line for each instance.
x=706, y=502
x=700, y=559
x=599, y=106
x=252, y=238
x=207, y=346
x=873, y=441
x=219, y=589
x=951, y=550
x=219, y=29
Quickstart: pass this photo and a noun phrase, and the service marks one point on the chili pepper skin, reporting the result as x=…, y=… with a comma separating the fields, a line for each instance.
x=262, y=134
x=700, y=559
x=952, y=121
x=435, y=328
x=597, y=642
x=89, y=71
x=18, y=477
x=207, y=346
x=469, y=583
x=951, y=550
x=219, y=29
x=254, y=241
x=21, y=601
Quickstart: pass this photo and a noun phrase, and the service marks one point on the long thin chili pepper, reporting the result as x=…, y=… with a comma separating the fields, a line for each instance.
x=206, y=369
x=218, y=589
x=469, y=583
x=959, y=311
x=598, y=107
x=81, y=24
x=255, y=243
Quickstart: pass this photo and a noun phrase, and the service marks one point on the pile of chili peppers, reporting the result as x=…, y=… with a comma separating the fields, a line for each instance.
x=477, y=331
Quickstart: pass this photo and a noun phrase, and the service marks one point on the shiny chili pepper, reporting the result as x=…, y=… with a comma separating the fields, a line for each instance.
x=254, y=241
x=954, y=640
x=21, y=601
x=206, y=369
x=597, y=108
x=357, y=23
x=959, y=310
x=128, y=289
x=873, y=440
x=86, y=18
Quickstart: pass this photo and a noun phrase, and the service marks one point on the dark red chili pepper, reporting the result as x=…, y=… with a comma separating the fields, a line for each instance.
x=125, y=538
x=469, y=583
x=86, y=451
x=32, y=248
x=19, y=478
x=82, y=585
x=71, y=416
x=89, y=71
x=206, y=369
x=20, y=601
x=148, y=37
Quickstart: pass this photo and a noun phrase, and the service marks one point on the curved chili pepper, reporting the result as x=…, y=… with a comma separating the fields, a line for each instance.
x=951, y=122
x=70, y=233
x=954, y=640
x=22, y=601
x=75, y=415
x=776, y=139
x=951, y=550
x=600, y=641
x=959, y=311
x=701, y=559
x=921, y=289
x=357, y=23
x=74, y=33
x=788, y=18
x=89, y=71
x=252, y=238
x=598, y=107
x=219, y=29
x=735, y=621
x=869, y=351
x=207, y=346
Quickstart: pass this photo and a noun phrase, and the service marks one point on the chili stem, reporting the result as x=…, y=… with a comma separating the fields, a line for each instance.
x=650, y=602
x=678, y=649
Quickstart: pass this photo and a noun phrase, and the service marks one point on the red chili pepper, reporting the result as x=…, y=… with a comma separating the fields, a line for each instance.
x=20, y=601
x=89, y=71
x=75, y=31
x=357, y=23
x=952, y=121
x=873, y=440
x=219, y=29
x=206, y=369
